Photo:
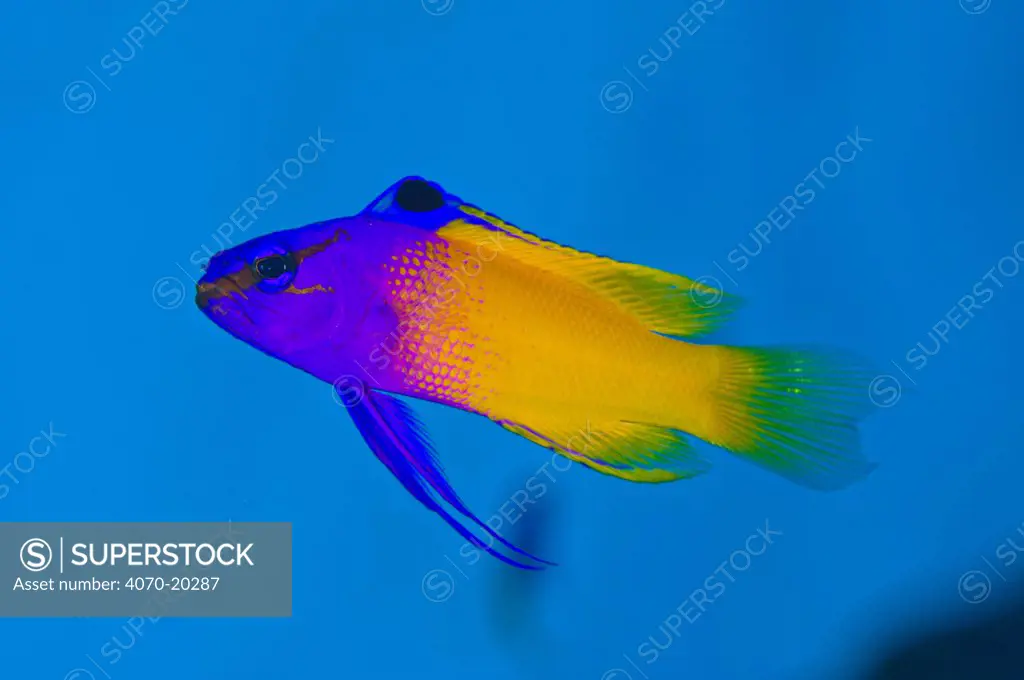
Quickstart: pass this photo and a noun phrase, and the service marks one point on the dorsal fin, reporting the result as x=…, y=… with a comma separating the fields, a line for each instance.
x=665, y=303
x=417, y=202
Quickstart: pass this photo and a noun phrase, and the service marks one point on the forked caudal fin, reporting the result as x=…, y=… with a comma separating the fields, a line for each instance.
x=792, y=411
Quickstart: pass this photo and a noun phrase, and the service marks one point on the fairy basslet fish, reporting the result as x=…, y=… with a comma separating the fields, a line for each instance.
x=423, y=295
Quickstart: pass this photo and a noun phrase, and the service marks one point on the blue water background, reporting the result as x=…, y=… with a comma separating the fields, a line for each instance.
x=544, y=114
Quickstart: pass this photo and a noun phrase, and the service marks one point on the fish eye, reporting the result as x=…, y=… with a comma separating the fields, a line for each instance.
x=274, y=272
x=418, y=196
x=271, y=267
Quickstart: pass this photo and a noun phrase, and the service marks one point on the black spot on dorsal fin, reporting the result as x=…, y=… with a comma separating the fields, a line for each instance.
x=416, y=195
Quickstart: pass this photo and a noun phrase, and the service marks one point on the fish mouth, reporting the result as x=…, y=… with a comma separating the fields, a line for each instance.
x=217, y=299
x=207, y=291
x=204, y=294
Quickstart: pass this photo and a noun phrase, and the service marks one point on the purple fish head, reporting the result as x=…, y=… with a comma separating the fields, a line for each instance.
x=292, y=294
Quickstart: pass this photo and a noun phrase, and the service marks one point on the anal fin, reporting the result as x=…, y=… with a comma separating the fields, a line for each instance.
x=638, y=452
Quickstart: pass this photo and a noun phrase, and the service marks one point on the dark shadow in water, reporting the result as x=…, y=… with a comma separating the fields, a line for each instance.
x=989, y=647
x=517, y=610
